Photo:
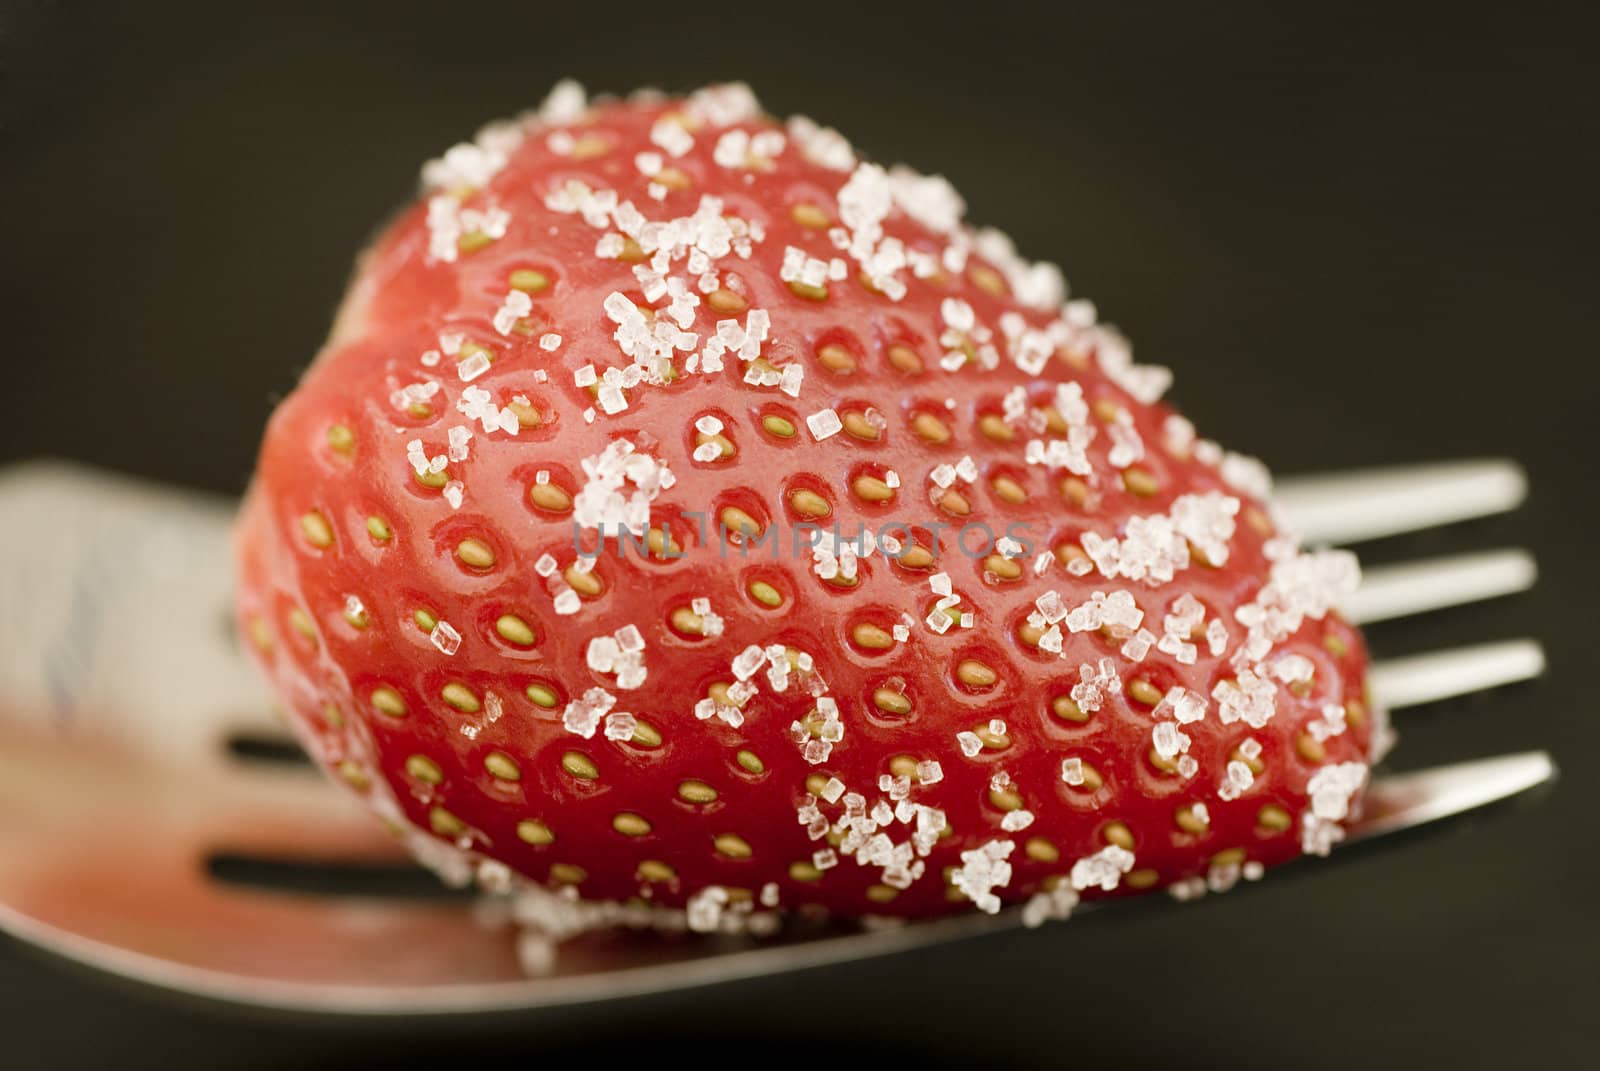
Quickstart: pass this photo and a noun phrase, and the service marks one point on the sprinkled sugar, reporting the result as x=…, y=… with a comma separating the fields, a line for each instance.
x=582, y=716
x=516, y=305
x=824, y=424
x=445, y=638
x=983, y=870
x=672, y=137
x=1103, y=869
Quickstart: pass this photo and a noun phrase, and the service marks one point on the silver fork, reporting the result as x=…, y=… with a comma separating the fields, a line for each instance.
x=127, y=718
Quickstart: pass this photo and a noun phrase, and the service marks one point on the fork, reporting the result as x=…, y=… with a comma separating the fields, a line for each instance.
x=139, y=769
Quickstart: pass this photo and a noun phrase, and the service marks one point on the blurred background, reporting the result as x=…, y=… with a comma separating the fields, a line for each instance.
x=1358, y=240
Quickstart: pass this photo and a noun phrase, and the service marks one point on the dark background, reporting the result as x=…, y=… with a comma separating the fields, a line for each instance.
x=1358, y=240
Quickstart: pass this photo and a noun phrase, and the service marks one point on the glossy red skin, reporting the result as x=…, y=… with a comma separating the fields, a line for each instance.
x=413, y=300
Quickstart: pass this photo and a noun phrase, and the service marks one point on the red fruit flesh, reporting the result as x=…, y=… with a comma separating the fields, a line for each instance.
x=348, y=556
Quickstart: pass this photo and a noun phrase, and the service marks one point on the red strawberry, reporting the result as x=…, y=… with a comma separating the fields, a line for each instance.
x=1074, y=657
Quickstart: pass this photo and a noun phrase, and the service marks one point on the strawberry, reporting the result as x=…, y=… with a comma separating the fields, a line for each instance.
x=686, y=511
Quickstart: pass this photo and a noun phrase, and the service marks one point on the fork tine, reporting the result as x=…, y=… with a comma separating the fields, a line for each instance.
x=1389, y=591
x=1418, y=679
x=1403, y=801
x=1349, y=507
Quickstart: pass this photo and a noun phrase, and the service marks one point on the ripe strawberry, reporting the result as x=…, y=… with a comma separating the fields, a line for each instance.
x=1071, y=655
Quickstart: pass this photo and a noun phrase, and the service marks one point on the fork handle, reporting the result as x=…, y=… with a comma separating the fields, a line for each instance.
x=115, y=615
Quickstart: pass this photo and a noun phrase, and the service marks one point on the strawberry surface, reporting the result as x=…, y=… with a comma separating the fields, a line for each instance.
x=1047, y=644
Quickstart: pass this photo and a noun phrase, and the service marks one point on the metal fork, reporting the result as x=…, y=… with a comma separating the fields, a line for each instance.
x=132, y=740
